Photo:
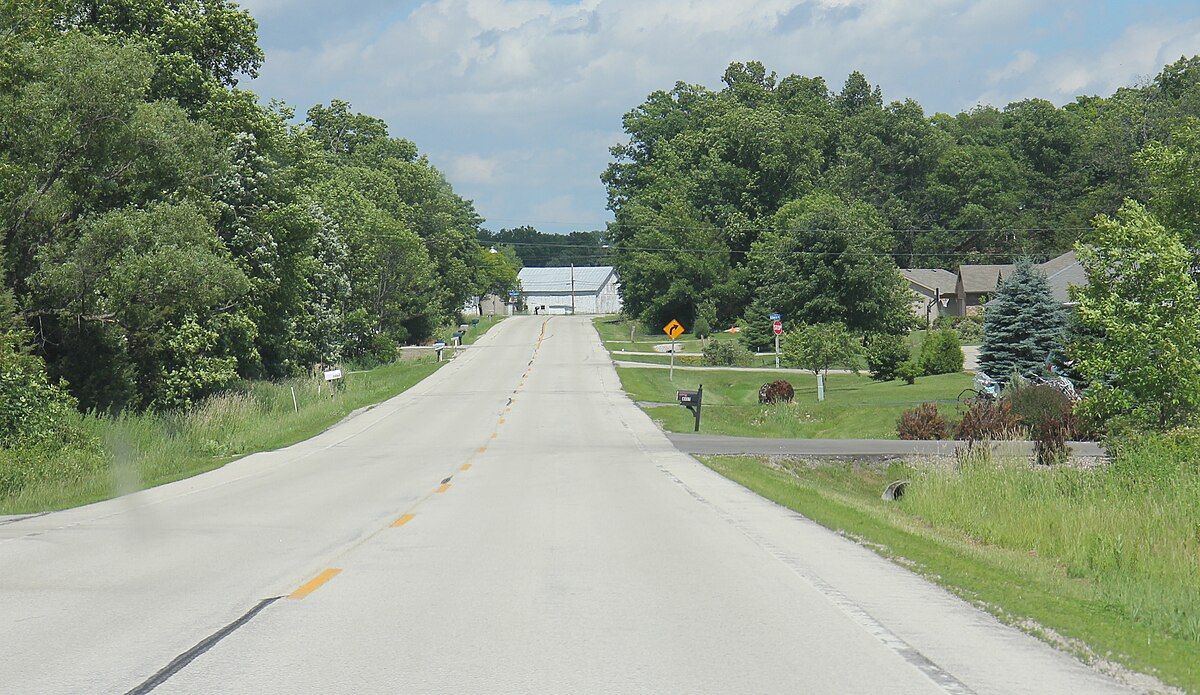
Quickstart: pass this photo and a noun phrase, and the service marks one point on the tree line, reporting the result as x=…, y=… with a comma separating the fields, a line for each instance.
x=782, y=194
x=164, y=234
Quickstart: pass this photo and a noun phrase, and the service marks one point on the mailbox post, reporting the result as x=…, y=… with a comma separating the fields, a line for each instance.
x=692, y=400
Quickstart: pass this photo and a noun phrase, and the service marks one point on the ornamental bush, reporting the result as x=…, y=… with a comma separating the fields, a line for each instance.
x=726, y=353
x=885, y=353
x=923, y=422
x=942, y=353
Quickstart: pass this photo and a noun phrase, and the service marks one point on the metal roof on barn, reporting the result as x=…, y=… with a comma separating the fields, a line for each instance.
x=588, y=279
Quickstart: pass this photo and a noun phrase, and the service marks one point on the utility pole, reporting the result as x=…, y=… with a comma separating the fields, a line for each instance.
x=572, y=289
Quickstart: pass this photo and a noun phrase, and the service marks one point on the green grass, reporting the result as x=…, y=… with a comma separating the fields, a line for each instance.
x=476, y=331
x=1109, y=557
x=855, y=407
x=135, y=451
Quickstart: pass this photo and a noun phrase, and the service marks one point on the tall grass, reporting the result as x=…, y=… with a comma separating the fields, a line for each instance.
x=131, y=451
x=1131, y=529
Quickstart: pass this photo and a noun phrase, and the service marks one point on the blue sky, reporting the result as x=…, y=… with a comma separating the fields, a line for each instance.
x=517, y=101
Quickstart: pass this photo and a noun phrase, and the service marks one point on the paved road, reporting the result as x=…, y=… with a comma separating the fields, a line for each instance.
x=848, y=448
x=513, y=524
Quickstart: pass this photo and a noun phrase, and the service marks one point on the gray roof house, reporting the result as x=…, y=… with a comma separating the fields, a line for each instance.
x=928, y=284
x=977, y=282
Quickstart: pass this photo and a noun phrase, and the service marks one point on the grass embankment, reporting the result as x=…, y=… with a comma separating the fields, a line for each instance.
x=476, y=331
x=140, y=450
x=855, y=407
x=1109, y=557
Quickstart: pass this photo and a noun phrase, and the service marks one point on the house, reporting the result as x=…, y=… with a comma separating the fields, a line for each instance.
x=570, y=290
x=928, y=286
x=978, y=282
x=968, y=290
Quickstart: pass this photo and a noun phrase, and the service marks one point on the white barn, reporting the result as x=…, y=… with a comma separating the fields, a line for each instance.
x=570, y=289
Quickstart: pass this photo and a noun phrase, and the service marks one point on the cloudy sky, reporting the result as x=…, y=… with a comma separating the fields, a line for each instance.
x=517, y=101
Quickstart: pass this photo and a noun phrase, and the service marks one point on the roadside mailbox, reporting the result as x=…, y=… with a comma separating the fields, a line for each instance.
x=692, y=400
x=439, y=346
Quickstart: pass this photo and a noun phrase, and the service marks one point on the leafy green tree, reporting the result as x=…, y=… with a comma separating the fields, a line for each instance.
x=200, y=47
x=827, y=260
x=820, y=347
x=1023, y=326
x=1141, y=303
x=941, y=353
x=33, y=410
x=885, y=352
x=158, y=281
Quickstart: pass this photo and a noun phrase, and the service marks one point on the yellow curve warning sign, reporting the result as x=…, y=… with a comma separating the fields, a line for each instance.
x=673, y=329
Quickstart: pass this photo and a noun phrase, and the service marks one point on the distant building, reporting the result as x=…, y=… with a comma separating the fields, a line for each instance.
x=565, y=290
x=928, y=286
x=968, y=290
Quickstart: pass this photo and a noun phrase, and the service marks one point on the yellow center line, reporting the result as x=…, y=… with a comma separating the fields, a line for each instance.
x=501, y=421
x=466, y=467
x=403, y=520
x=482, y=449
x=493, y=435
x=315, y=583
x=444, y=487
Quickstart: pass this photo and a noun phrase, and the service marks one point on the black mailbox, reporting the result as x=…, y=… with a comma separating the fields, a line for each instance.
x=458, y=334
x=474, y=322
x=692, y=401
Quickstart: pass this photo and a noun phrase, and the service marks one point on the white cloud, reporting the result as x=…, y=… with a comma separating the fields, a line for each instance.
x=518, y=100
x=473, y=169
x=1021, y=64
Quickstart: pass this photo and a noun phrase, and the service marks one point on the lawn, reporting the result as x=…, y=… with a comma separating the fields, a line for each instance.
x=1108, y=559
x=855, y=406
x=136, y=451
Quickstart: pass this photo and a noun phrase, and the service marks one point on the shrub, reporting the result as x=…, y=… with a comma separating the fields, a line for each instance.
x=941, y=353
x=885, y=353
x=909, y=371
x=701, y=329
x=1034, y=403
x=1050, y=435
x=988, y=420
x=33, y=409
x=776, y=392
x=923, y=422
x=969, y=328
x=726, y=353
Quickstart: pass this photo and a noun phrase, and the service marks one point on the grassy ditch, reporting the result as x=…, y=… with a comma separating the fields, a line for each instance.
x=855, y=406
x=134, y=451
x=1103, y=562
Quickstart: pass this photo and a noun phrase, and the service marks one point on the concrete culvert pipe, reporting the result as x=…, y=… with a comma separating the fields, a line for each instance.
x=894, y=490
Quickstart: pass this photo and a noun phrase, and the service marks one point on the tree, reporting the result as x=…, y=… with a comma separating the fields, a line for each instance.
x=1142, y=301
x=821, y=346
x=157, y=282
x=1023, y=326
x=827, y=260
x=941, y=353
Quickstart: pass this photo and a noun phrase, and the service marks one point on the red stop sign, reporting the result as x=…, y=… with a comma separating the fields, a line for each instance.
x=777, y=326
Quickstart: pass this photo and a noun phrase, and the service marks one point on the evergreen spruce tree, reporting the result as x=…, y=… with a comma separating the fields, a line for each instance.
x=1023, y=326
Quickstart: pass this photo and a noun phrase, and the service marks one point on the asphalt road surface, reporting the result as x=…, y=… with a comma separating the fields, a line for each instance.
x=513, y=524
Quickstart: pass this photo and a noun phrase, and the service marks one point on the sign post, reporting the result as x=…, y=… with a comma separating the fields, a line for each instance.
x=332, y=375
x=674, y=329
x=777, y=329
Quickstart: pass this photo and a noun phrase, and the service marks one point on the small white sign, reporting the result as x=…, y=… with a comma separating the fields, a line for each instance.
x=333, y=374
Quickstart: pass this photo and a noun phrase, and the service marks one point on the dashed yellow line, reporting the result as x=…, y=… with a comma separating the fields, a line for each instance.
x=403, y=520
x=316, y=583
x=444, y=487
x=466, y=467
